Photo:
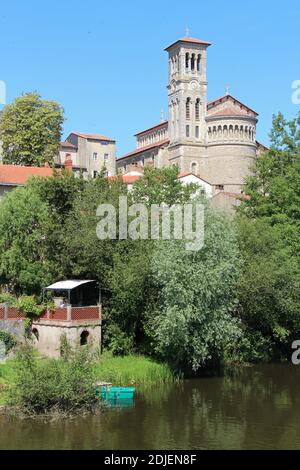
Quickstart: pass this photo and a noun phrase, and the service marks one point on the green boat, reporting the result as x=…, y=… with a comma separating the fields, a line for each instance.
x=107, y=392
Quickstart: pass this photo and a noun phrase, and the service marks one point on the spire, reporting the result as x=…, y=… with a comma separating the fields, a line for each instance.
x=227, y=90
x=162, y=117
x=187, y=32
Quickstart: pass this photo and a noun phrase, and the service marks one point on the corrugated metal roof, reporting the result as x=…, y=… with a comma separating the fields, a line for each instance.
x=68, y=284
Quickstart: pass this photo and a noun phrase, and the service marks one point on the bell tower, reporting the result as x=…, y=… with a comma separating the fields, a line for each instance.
x=187, y=91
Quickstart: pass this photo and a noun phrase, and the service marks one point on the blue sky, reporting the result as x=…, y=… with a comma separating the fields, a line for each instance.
x=104, y=61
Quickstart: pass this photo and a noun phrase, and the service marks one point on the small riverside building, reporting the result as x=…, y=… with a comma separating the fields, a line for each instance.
x=77, y=315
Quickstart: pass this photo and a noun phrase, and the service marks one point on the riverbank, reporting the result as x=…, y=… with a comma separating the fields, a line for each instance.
x=121, y=371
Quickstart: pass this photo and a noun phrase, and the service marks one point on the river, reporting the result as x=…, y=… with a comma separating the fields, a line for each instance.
x=256, y=408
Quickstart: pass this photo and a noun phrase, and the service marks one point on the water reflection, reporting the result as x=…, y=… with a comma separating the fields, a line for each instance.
x=256, y=408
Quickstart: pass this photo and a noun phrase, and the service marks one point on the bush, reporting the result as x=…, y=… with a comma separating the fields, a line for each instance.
x=28, y=305
x=7, y=298
x=44, y=385
x=8, y=339
x=118, y=342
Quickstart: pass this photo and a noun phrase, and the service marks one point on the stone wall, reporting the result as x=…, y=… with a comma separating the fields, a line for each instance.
x=15, y=327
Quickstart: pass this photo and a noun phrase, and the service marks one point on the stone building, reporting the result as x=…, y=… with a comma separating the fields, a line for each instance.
x=215, y=140
x=89, y=153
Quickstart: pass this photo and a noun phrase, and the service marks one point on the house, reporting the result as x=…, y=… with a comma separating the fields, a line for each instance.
x=90, y=154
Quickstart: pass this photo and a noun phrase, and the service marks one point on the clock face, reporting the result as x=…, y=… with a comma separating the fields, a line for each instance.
x=194, y=84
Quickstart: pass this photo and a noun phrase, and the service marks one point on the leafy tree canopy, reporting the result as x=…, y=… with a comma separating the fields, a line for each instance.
x=30, y=130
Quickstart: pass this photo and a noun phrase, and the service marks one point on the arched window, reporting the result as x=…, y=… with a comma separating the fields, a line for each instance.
x=84, y=338
x=188, y=108
x=193, y=62
x=35, y=333
x=194, y=168
x=187, y=60
x=198, y=62
x=197, y=109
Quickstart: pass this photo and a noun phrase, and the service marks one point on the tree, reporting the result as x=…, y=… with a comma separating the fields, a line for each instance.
x=269, y=238
x=268, y=289
x=161, y=186
x=30, y=130
x=32, y=228
x=191, y=323
x=25, y=227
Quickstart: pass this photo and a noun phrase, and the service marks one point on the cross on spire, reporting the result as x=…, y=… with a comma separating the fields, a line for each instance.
x=227, y=90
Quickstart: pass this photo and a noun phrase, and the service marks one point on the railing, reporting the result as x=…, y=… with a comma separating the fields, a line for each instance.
x=73, y=313
x=10, y=313
x=61, y=314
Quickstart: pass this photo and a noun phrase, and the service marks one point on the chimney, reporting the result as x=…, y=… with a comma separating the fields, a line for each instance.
x=68, y=162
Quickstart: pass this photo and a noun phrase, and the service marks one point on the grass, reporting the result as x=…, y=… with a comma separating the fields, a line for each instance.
x=7, y=375
x=121, y=371
x=132, y=369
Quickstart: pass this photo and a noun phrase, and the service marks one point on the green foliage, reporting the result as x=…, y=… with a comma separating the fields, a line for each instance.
x=30, y=130
x=41, y=386
x=7, y=298
x=132, y=369
x=192, y=321
x=27, y=304
x=8, y=339
x=161, y=186
x=65, y=348
x=117, y=341
x=269, y=237
x=32, y=233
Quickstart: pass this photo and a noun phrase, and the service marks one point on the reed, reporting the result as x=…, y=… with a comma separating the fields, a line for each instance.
x=132, y=369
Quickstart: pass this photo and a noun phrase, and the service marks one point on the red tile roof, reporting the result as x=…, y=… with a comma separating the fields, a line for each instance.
x=189, y=40
x=92, y=136
x=217, y=101
x=182, y=175
x=144, y=149
x=127, y=179
x=16, y=175
x=157, y=126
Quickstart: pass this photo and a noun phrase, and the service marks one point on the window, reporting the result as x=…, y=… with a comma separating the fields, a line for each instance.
x=187, y=60
x=197, y=132
x=95, y=174
x=84, y=338
x=36, y=334
x=188, y=108
x=194, y=168
x=106, y=156
x=95, y=156
x=187, y=131
x=197, y=109
x=106, y=173
x=220, y=187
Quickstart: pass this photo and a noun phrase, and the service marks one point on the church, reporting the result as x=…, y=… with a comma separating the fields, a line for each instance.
x=214, y=140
